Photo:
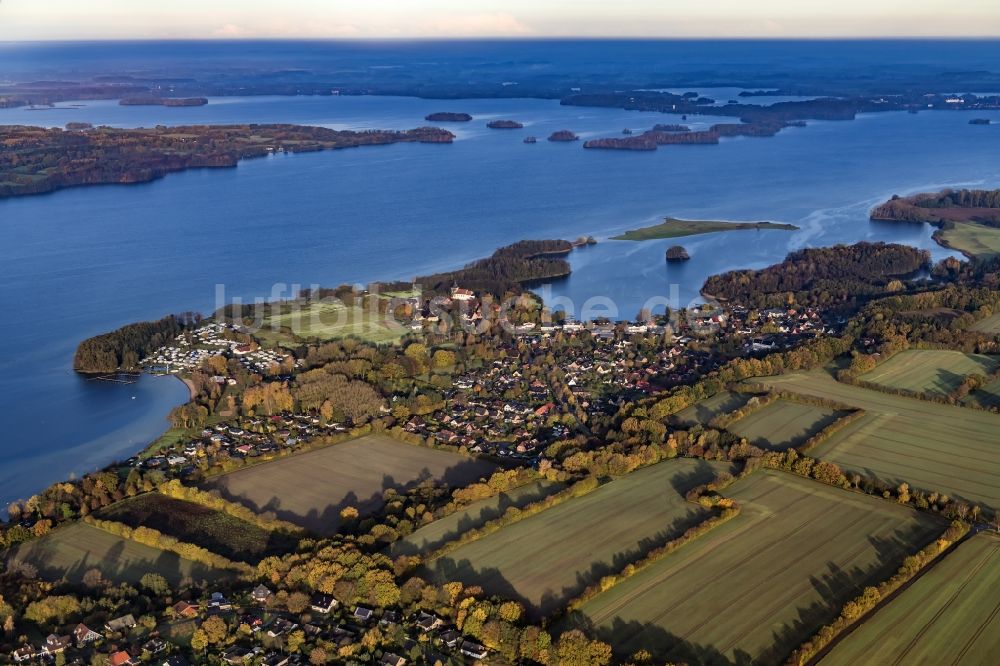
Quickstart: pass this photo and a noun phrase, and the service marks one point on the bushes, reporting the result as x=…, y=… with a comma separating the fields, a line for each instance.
x=175, y=489
x=872, y=596
x=756, y=403
x=156, y=539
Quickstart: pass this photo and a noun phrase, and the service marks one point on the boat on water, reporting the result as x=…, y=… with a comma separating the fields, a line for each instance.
x=530, y=139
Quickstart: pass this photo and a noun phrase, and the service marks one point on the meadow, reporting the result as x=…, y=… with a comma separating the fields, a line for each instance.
x=327, y=321
x=783, y=424
x=990, y=324
x=193, y=523
x=73, y=550
x=751, y=590
x=548, y=558
x=931, y=446
x=932, y=371
x=971, y=239
x=705, y=410
x=951, y=614
x=310, y=489
x=450, y=527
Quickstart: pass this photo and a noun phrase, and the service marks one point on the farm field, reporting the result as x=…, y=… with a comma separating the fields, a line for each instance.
x=446, y=529
x=74, y=550
x=326, y=321
x=783, y=424
x=788, y=562
x=931, y=446
x=949, y=615
x=705, y=410
x=989, y=325
x=932, y=371
x=193, y=523
x=310, y=489
x=987, y=397
x=548, y=558
x=973, y=239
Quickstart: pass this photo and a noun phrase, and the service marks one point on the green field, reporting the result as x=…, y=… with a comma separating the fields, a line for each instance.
x=931, y=446
x=193, y=523
x=755, y=588
x=671, y=227
x=989, y=325
x=705, y=410
x=310, y=489
x=950, y=615
x=972, y=239
x=987, y=397
x=450, y=527
x=783, y=424
x=327, y=321
x=73, y=550
x=550, y=557
x=932, y=371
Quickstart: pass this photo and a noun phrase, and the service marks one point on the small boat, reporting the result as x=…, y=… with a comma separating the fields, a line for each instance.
x=626, y=131
x=530, y=139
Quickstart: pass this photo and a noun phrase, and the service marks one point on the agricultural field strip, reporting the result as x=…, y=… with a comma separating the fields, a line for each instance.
x=760, y=423
x=904, y=421
x=898, y=617
x=913, y=369
x=990, y=324
x=754, y=521
x=720, y=403
x=544, y=537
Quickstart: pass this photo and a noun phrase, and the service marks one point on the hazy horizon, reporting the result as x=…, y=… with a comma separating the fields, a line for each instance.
x=63, y=20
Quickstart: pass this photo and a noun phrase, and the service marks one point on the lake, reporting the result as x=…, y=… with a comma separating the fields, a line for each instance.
x=83, y=261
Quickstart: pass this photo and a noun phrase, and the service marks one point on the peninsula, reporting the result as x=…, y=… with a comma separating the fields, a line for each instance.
x=966, y=220
x=163, y=101
x=672, y=227
x=37, y=160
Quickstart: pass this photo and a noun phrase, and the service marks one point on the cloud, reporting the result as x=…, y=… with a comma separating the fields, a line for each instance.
x=230, y=30
x=497, y=24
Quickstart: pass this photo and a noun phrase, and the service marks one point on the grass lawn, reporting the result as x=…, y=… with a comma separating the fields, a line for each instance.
x=73, y=550
x=989, y=325
x=200, y=525
x=950, y=615
x=753, y=589
x=475, y=515
x=971, y=238
x=671, y=227
x=550, y=557
x=327, y=321
x=783, y=424
x=310, y=489
x=931, y=446
x=705, y=410
x=932, y=371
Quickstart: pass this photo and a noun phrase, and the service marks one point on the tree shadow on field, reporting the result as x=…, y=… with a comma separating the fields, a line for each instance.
x=702, y=472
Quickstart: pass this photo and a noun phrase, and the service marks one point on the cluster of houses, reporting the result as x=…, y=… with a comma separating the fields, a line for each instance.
x=247, y=439
x=192, y=348
x=82, y=638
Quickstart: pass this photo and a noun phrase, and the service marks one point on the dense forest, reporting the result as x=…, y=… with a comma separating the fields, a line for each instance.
x=504, y=124
x=664, y=137
x=821, y=276
x=34, y=160
x=126, y=346
x=448, y=116
x=942, y=208
x=508, y=269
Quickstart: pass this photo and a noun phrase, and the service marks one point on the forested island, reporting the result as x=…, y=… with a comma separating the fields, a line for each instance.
x=563, y=135
x=504, y=124
x=980, y=121
x=822, y=276
x=966, y=220
x=671, y=135
x=672, y=227
x=677, y=253
x=163, y=101
x=448, y=117
x=36, y=160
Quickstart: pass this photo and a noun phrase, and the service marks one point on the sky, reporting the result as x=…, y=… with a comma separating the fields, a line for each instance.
x=235, y=19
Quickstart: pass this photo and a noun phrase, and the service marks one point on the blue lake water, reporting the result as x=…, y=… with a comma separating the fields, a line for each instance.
x=83, y=261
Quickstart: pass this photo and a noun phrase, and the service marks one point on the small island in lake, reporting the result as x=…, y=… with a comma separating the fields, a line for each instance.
x=674, y=228
x=966, y=220
x=504, y=124
x=980, y=121
x=677, y=253
x=563, y=135
x=448, y=117
x=163, y=101
x=79, y=126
